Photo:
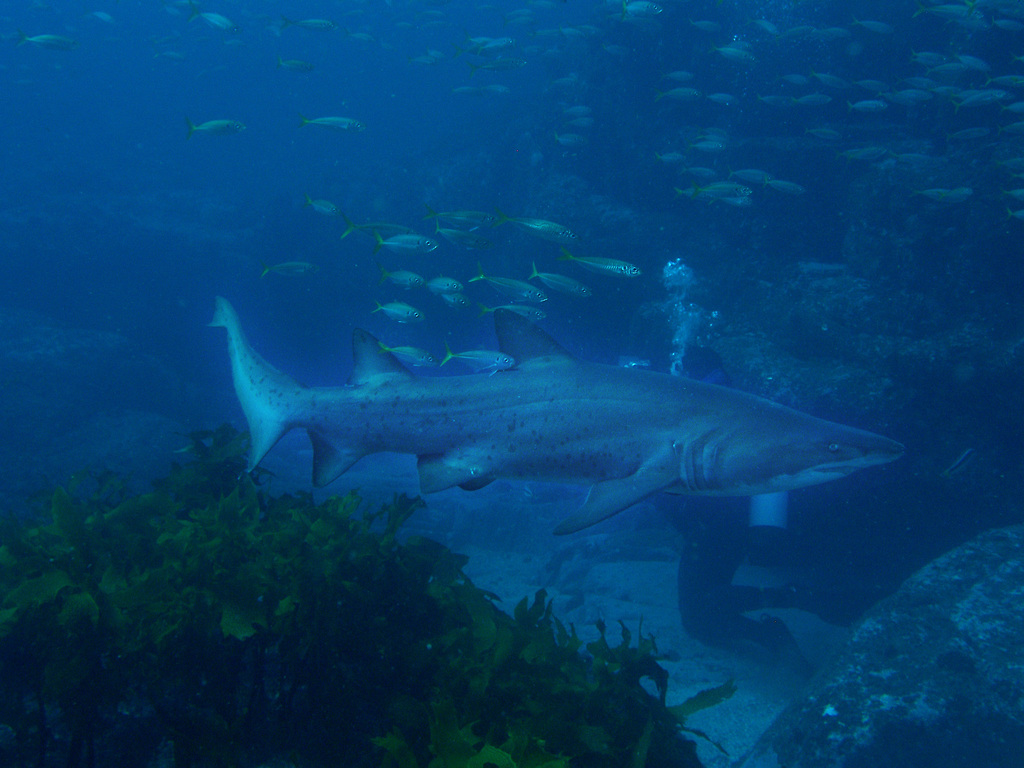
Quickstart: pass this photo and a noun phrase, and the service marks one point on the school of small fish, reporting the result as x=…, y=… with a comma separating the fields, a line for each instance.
x=833, y=103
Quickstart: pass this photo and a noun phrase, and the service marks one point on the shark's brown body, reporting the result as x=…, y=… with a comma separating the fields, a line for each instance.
x=628, y=433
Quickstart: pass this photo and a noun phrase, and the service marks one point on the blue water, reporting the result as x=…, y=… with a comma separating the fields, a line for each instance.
x=111, y=220
x=875, y=281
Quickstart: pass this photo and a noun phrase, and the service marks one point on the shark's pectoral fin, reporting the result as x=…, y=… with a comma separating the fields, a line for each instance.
x=439, y=471
x=329, y=461
x=612, y=496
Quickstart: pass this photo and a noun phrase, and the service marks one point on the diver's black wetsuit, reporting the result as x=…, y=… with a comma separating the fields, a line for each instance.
x=712, y=608
x=718, y=541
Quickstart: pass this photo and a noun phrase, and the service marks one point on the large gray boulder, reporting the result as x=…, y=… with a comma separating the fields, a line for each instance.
x=933, y=675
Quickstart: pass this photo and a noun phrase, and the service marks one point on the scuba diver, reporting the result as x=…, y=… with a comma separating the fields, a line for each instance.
x=736, y=564
x=727, y=572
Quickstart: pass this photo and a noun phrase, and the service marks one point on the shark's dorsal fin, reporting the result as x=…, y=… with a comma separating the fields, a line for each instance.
x=371, y=360
x=522, y=340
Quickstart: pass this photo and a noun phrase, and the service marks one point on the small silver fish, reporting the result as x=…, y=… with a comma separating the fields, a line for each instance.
x=214, y=127
x=480, y=359
x=399, y=312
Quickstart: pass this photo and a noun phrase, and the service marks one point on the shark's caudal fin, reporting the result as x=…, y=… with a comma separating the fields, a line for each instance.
x=267, y=396
x=273, y=402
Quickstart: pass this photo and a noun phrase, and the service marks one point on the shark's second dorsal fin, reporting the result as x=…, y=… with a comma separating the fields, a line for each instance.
x=522, y=340
x=371, y=360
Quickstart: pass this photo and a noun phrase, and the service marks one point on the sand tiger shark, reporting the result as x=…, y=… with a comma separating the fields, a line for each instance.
x=628, y=433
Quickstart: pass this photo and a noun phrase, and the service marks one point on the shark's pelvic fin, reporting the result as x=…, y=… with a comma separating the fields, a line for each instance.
x=371, y=360
x=439, y=472
x=522, y=340
x=266, y=394
x=610, y=497
x=329, y=461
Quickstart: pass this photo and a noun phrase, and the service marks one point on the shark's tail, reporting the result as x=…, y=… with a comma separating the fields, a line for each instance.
x=268, y=397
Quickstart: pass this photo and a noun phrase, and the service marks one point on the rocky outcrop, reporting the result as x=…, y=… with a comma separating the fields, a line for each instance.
x=933, y=675
x=77, y=399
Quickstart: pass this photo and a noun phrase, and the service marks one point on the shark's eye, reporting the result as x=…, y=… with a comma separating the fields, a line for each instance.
x=833, y=447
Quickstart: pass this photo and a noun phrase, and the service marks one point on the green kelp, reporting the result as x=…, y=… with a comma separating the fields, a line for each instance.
x=235, y=626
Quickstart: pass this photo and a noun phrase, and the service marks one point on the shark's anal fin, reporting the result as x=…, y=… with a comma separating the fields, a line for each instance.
x=438, y=472
x=329, y=461
x=610, y=497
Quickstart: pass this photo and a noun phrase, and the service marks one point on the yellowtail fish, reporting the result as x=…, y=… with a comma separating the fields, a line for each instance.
x=334, y=123
x=324, y=25
x=530, y=313
x=640, y=8
x=678, y=94
x=383, y=228
x=417, y=243
x=606, y=266
x=498, y=65
x=578, y=111
x=480, y=359
x=401, y=277
x=547, y=230
x=461, y=237
x=679, y=75
x=215, y=127
x=813, y=100
x=443, y=285
x=325, y=207
x=581, y=122
x=295, y=65
x=864, y=153
x=789, y=187
x=735, y=52
x=290, y=268
x=960, y=464
x=53, y=42
x=719, y=189
x=215, y=20
x=454, y=300
x=399, y=312
x=751, y=175
x=942, y=195
x=570, y=140
x=878, y=27
x=363, y=37
x=866, y=105
x=411, y=355
x=560, y=283
x=431, y=57
x=471, y=219
x=515, y=289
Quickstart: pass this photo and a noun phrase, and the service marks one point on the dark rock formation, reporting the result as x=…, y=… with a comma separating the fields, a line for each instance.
x=77, y=399
x=933, y=676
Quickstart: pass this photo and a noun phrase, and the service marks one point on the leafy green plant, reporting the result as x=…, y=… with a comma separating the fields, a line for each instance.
x=234, y=625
